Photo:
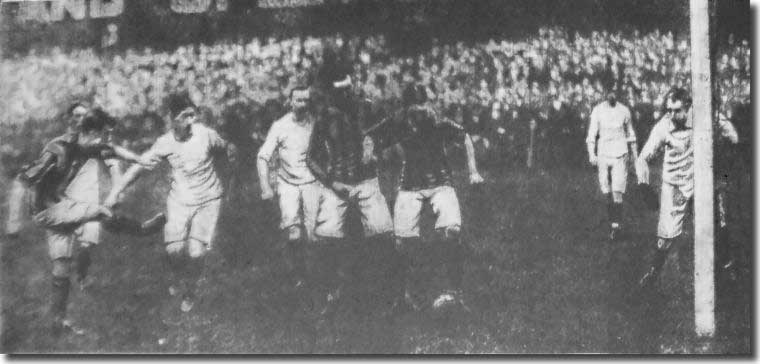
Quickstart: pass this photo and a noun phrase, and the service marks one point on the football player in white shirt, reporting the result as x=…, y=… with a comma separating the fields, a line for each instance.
x=672, y=136
x=611, y=125
x=298, y=190
x=195, y=197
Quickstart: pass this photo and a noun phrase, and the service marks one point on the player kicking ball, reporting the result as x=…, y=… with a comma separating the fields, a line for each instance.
x=420, y=137
x=611, y=125
x=671, y=136
x=195, y=196
x=64, y=208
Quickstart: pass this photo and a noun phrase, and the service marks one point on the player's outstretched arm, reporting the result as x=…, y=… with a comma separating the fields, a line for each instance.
x=129, y=177
x=130, y=156
x=472, y=164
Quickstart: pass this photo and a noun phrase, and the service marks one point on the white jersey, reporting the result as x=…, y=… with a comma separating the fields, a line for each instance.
x=194, y=179
x=678, y=153
x=612, y=124
x=291, y=142
x=91, y=181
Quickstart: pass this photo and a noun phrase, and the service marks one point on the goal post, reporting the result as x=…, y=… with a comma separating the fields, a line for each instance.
x=704, y=229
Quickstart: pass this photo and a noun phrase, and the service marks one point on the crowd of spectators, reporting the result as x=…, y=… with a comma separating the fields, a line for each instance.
x=498, y=89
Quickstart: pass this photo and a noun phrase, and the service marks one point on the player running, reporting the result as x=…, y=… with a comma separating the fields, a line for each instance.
x=612, y=126
x=342, y=159
x=63, y=206
x=297, y=188
x=195, y=197
x=672, y=136
x=420, y=137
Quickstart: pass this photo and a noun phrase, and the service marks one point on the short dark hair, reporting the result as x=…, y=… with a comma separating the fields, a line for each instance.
x=93, y=121
x=177, y=103
x=677, y=94
x=414, y=95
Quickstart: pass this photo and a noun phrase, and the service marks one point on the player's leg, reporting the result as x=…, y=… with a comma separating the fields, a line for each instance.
x=326, y=258
x=448, y=230
x=60, y=249
x=406, y=228
x=672, y=212
x=605, y=184
x=176, y=231
x=88, y=236
x=379, y=257
x=202, y=233
x=619, y=180
x=291, y=223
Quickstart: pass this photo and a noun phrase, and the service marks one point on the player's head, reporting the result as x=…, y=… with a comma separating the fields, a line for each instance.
x=75, y=113
x=182, y=114
x=91, y=129
x=611, y=97
x=414, y=95
x=299, y=99
x=676, y=105
x=182, y=123
x=340, y=92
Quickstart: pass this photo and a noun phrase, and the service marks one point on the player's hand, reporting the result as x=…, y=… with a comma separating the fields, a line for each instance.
x=476, y=178
x=105, y=211
x=148, y=162
x=593, y=160
x=642, y=171
x=342, y=189
x=267, y=193
x=112, y=200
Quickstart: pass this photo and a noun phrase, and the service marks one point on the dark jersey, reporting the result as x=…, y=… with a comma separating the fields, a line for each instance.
x=59, y=163
x=423, y=141
x=336, y=147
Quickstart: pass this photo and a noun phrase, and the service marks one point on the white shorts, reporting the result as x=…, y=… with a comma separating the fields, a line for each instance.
x=68, y=222
x=16, y=207
x=443, y=199
x=673, y=204
x=299, y=205
x=373, y=208
x=197, y=222
x=613, y=174
x=61, y=244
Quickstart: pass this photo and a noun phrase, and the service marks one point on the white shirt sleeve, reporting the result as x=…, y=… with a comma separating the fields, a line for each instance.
x=656, y=140
x=593, y=131
x=727, y=130
x=631, y=134
x=159, y=150
x=270, y=143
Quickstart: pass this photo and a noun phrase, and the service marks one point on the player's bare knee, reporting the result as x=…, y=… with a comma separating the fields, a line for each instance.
x=449, y=234
x=176, y=248
x=617, y=197
x=293, y=233
x=196, y=249
x=61, y=268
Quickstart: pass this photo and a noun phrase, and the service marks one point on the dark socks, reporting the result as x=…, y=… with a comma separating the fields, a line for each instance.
x=60, y=297
x=84, y=261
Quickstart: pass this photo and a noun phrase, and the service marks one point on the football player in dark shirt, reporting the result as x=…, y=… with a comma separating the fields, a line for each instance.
x=341, y=158
x=56, y=178
x=420, y=136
